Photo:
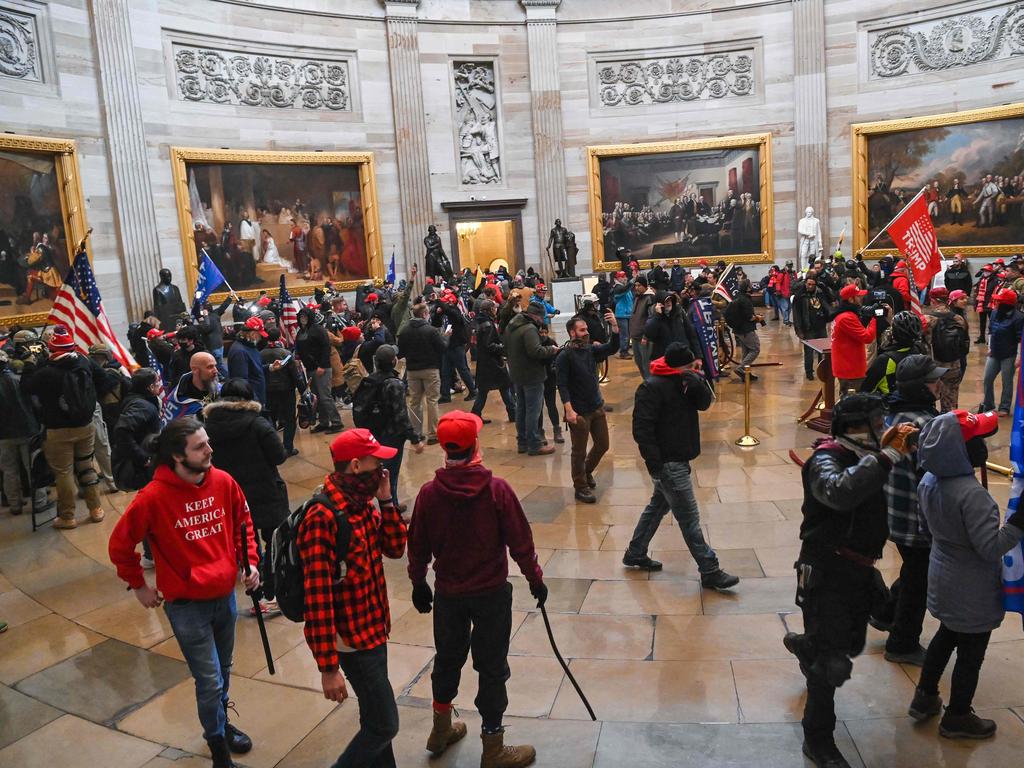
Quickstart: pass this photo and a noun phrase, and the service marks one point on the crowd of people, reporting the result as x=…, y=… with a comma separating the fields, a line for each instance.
x=200, y=430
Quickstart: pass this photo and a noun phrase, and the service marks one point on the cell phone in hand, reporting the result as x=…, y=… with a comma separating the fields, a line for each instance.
x=879, y=312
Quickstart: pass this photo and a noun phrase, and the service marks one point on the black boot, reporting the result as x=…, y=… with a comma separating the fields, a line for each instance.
x=924, y=705
x=237, y=741
x=968, y=726
x=219, y=751
x=825, y=755
x=643, y=562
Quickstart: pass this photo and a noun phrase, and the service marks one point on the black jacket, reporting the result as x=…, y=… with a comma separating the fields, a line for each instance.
x=250, y=450
x=398, y=428
x=959, y=278
x=661, y=330
x=17, y=421
x=313, y=347
x=46, y=385
x=285, y=378
x=844, y=503
x=811, y=313
x=140, y=418
x=490, y=357
x=460, y=328
x=666, y=425
x=740, y=314
x=211, y=328
x=577, y=375
x=421, y=344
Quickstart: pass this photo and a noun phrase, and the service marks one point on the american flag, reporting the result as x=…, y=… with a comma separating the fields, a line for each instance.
x=79, y=307
x=289, y=316
x=727, y=283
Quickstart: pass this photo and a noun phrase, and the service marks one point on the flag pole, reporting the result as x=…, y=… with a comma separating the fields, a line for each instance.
x=886, y=227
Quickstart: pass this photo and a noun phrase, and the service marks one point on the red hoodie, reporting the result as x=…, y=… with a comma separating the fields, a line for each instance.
x=464, y=519
x=195, y=532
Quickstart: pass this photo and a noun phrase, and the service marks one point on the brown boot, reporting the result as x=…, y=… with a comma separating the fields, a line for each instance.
x=497, y=755
x=445, y=733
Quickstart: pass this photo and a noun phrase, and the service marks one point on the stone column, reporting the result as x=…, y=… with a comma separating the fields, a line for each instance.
x=809, y=118
x=546, y=108
x=410, y=127
x=126, y=146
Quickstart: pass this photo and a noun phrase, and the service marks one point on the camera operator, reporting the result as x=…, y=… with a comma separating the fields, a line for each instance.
x=852, y=331
x=743, y=320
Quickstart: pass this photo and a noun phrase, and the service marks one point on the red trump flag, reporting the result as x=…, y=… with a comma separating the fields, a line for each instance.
x=914, y=235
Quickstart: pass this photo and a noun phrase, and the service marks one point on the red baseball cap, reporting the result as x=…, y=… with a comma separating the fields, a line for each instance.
x=264, y=301
x=457, y=431
x=1005, y=296
x=371, y=297
x=1000, y=261
x=255, y=324
x=850, y=291
x=351, y=333
x=358, y=444
x=956, y=295
x=977, y=424
x=941, y=292
x=154, y=333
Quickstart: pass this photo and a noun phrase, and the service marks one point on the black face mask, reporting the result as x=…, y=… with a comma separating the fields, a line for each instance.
x=977, y=451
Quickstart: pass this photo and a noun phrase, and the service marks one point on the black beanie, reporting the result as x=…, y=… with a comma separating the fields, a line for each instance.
x=678, y=354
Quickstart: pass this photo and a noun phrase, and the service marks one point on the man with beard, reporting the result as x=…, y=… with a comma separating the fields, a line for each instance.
x=195, y=390
x=810, y=318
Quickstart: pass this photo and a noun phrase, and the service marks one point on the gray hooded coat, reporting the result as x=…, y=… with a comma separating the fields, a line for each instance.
x=965, y=584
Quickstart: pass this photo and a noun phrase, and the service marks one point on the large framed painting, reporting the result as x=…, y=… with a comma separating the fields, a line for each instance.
x=310, y=216
x=970, y=165
x=687, y=200
x=42, y=220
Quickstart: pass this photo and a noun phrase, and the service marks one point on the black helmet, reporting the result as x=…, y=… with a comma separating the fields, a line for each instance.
x=918, y=368
x=855, y=410
x=906, y=327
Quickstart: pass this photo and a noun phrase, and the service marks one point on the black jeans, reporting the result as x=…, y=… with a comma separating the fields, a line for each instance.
x=910, y=600
x=506, y=397
x=282, y=411
x=454, y=362
x=970, y=653
x=367, y=673
x=483, y=624
x=551, y=401
x=982, y=320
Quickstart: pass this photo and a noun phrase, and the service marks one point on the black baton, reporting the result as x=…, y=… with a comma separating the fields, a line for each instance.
x=551, y=638
x=256, y=602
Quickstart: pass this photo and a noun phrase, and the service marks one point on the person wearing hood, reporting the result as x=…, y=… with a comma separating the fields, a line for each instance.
x=850, y=339
x=70, y=433
x=842, y=535
x=528, y=357
x=1005, y=329
x=193, y=515
x=348, y=617
x=491, y=373
x=905, y=337
x=470, y=522
x=666, y=428
x=958, y=276
x=913, y=402
x=668, y=323
x=313, y=349
x=247, y=447
x=131, y=453
x=965, y=584
x=244, y=361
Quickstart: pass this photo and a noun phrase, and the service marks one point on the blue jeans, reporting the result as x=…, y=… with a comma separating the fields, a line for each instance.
x=1006, y=368
x=623, y=335
x=205, y=630
x=454, y=361
x=218, y=355
x=367, y=674
x=784, y=306
x=529, y=402
x=673, y=489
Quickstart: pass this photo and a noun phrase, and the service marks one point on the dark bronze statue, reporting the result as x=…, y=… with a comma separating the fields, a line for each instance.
x=564, y=243
x=436, y=261
x=167, y=302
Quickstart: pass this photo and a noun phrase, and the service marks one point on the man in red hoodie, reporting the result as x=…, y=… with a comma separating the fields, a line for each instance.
x=850, y=338
x=192, y=515
x=468, y=522
x=348, y=618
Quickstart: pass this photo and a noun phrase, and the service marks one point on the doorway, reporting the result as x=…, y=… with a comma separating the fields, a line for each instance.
x=486, y=234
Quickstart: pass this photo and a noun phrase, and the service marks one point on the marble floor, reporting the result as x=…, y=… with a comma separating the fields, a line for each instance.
x=677, y=676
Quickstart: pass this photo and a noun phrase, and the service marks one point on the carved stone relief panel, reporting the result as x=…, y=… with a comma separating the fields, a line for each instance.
x=680, y=75
x=217, y=75
x=947, y=42
x=476, y=122
x=19, y=44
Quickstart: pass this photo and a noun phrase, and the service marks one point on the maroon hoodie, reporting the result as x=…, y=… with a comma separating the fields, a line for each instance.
x=464, y=519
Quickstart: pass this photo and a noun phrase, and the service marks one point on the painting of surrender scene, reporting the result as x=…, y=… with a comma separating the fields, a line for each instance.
x=972, y=175
x=258, y=221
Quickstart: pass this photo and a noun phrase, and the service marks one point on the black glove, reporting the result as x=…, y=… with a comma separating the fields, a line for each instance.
x=422, y=597
x=539, y=591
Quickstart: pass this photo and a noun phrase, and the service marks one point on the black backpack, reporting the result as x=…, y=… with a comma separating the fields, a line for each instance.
x=77, y=401
x=950, y=340
x=283, y=576
x=369, y=408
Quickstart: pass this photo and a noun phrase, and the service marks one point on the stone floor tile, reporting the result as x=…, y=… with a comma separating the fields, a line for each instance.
x=763, y=596
x=564, y=595
x=87, y=593
x=679, y=564
x=590, y=637
x=40, y=644
x=718, y=638
x=560, y=536
x=778, y=561
x=761, y=492
x=643, y=598
x=21, y=714
x=586, y=564
x=128, y=621
x=71, y=742
x=17, y=608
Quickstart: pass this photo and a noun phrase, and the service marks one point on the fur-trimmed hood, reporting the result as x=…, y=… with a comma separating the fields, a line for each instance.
x=236, y=406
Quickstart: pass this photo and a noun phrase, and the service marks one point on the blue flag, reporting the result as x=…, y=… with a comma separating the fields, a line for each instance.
x=702, y=314
x=210, y=279
x=391, y=270
x=1013, y=561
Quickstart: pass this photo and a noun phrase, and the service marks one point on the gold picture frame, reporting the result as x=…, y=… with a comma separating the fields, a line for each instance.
x=181, y=157
x=762, y=142
x=64, y=154
x=861, y=134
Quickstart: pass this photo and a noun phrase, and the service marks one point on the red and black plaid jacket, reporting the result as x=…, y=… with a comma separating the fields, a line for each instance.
x=355, y=609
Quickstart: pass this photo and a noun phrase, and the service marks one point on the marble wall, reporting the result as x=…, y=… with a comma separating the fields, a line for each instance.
x=760, y=91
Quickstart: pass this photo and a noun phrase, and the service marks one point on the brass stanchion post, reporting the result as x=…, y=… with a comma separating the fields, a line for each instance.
x=748, y=440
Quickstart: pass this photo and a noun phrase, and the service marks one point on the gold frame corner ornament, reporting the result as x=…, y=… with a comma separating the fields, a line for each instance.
x=761, y=141
x=181, y=156
x=72, y=201
x=859, y=135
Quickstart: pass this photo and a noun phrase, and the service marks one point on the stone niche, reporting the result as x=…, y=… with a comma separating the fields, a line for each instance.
x=476, y=119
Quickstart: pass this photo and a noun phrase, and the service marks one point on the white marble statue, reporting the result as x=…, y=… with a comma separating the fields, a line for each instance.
x=809, y=230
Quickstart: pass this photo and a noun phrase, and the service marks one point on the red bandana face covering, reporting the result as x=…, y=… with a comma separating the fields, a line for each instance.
x=359, y=487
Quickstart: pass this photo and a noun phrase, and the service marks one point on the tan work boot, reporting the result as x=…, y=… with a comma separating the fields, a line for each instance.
x=497, y=755
x=65, y=523
x=97, y=515
x=445, y=733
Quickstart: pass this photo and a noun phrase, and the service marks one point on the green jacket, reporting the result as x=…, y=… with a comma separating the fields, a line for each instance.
x=527, y=357
x=401, y=312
